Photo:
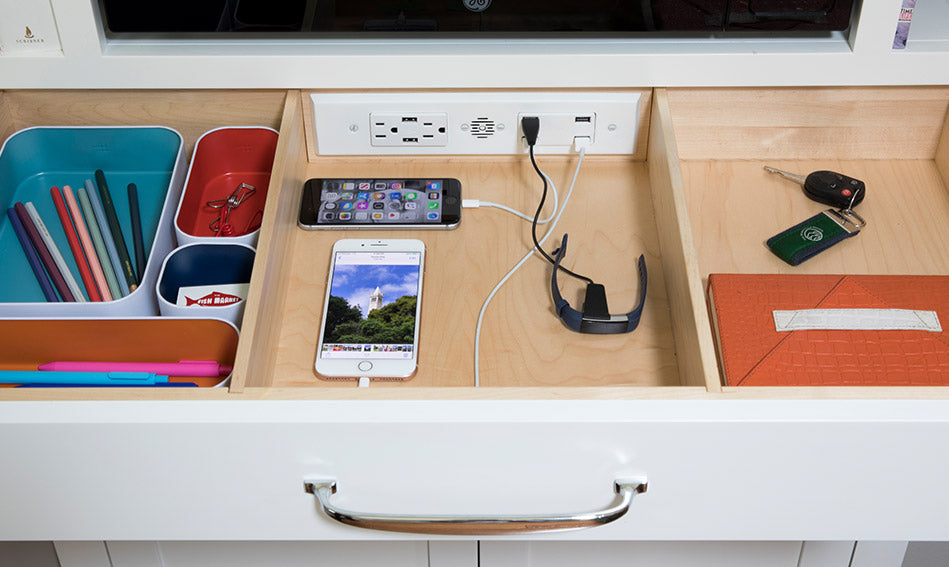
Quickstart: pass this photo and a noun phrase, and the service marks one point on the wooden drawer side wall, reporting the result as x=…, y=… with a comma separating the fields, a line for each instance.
x=695, y=350
x=256, y=354
x=6, y=120
x=942, y=152
x=191, y=113
x=809, y=123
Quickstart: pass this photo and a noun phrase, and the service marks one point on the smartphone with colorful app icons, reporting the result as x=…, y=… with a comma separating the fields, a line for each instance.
x=380, y=203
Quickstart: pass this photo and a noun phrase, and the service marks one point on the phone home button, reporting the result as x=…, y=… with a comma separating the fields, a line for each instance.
x=364, y=366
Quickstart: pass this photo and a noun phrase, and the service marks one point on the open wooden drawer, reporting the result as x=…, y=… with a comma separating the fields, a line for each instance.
x=556, y=412
x=687, y=210
x=682, y=200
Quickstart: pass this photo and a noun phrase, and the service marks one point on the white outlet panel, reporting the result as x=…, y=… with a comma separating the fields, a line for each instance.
x=561, y=128
x=476, y=123
x=408, y=129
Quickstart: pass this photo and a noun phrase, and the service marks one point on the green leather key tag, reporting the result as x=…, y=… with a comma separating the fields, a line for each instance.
x=812, y=236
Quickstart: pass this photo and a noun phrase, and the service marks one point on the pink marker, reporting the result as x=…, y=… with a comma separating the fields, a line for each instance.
x=194, y=368
x=86, y=242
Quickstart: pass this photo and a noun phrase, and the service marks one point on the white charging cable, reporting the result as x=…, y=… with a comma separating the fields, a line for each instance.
x=581, y=145
x=475, y=203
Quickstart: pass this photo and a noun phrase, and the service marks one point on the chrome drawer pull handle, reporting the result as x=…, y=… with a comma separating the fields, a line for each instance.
x=324, y=489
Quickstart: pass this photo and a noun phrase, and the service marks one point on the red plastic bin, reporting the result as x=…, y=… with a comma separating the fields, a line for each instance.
x=223, y=159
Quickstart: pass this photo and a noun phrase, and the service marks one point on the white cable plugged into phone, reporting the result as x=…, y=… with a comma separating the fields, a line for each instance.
x=580, y=144
x=475, y=203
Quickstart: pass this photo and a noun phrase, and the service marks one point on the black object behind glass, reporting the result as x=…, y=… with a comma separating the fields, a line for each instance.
x=433, y=18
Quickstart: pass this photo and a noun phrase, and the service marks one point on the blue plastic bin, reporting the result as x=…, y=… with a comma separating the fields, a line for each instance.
x=35, y=159
x=204, y=264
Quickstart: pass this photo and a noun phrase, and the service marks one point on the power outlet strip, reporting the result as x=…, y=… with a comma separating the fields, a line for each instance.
x=393, y=129
x=473, y=123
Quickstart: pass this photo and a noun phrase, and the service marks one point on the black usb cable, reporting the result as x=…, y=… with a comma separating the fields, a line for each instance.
x=531, y=128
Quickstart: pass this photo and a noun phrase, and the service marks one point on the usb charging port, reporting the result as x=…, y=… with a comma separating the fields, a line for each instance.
x=410, y=119
x=409, y=140
x=583, y=119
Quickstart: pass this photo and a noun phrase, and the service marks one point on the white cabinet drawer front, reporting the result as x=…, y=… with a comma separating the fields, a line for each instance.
x=717, y=470
x=642, y=554
x=293, y=554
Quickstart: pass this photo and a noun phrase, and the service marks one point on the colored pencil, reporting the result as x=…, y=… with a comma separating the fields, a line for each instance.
x=47, y=237
x=32, y=257
x=85, y=273
x=86, y=242
x=138, y=240
x=59, y=282
x=107, y=237
x=99, y=244
x=109, y=207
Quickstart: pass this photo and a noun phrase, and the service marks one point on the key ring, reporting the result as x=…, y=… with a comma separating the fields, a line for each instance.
x=847, y=215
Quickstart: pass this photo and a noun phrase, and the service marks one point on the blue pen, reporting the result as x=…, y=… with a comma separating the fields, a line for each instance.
x=159, y=385
x=104, y=378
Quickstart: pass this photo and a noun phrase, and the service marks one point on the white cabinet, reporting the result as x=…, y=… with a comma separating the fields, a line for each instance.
x=234, y=471
x=642, y=554
x=496, y=553
x=861, y=55
x=722, y=464
x=271, y=554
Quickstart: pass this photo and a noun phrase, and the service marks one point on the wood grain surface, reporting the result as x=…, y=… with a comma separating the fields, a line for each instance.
x=610, y=222
x=256, y=356
x=701, y=203
x=809, y=123
x=191, y=113
x=735, y=206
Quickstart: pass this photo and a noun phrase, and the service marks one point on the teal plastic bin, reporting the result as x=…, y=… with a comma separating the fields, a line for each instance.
x=36, y=159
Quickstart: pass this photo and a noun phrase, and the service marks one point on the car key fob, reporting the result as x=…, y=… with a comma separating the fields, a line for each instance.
x=834, y=189
x=829, y=187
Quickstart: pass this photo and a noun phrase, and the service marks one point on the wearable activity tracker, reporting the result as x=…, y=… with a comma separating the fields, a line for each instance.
x=595, y=318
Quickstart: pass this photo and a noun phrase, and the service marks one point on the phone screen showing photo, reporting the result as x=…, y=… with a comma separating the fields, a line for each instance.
x=372, y=308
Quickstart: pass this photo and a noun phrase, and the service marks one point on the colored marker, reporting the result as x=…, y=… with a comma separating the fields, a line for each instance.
x=109, y=207
x=194, y=368
x=158, y=385
x=75, y=246
x=87, y=247
x=36, y=264
x=94, y=378
x=107, y=237
x=43, y=252
x=99, y=244
x=74, y=289
x=138, y=240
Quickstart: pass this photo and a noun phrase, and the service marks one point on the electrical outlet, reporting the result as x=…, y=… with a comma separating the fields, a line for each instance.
x=475, y=123
x=408, y=128
x=561, y=128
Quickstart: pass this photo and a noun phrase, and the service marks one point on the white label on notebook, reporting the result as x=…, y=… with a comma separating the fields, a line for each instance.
x=856, y=320
x=220, y=295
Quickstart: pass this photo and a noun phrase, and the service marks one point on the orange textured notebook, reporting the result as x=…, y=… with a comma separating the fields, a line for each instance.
x=831, y=330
